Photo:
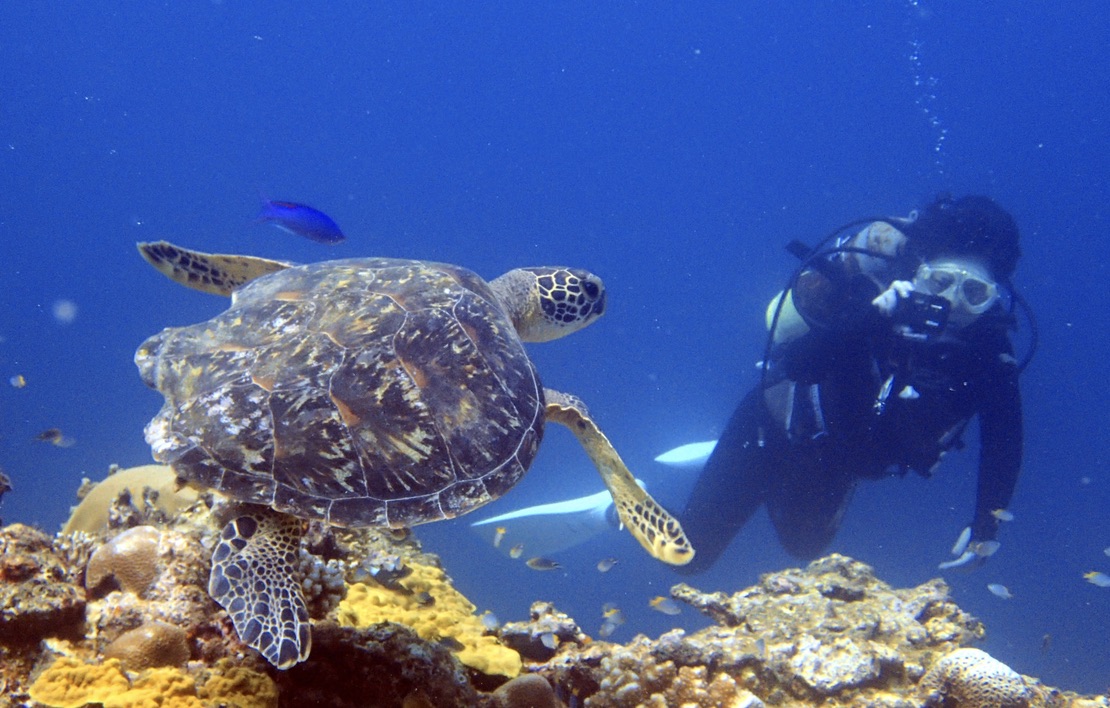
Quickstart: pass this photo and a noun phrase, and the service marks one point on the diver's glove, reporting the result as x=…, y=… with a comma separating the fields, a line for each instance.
x=887, y=301
x=969, y=551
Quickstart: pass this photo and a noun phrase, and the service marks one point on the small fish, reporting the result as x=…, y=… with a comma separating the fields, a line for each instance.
x=451, y=644
x=909, y=393
x=1002, y=515
x=498, y=536
x=612, y=613
x=55, y=438
x=301, y=220
x=607, y=628
x=541, y=563
x=17, y=381
x=401, y=533
x=665, y=605
x=1106, y=551
x=490, y=623
x=1000, y=591
x=606, y=564
x=1046, y=643
x=1096, y=578
x=516, y=551
x=424, y=599
x=5, y=484
x=986, y=549
x=549, y=640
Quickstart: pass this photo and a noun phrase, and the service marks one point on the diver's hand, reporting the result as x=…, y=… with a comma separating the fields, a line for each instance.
x=887, y=301
x=968, y=551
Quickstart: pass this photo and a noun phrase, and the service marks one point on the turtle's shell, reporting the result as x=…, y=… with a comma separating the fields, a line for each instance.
x=362, y=392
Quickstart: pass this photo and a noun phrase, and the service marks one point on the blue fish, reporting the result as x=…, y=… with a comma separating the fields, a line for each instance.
x=301, y=220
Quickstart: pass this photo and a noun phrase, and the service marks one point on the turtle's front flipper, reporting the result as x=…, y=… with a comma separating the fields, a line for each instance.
x=655, y=529
x=254, y=577
x=215, y=273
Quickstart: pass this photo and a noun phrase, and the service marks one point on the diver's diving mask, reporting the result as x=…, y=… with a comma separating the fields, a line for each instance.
x=967, y=285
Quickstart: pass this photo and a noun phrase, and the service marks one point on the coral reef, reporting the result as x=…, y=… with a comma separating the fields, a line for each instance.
x=116, y=613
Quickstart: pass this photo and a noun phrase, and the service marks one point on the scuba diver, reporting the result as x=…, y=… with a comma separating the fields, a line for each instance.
x=881, y=349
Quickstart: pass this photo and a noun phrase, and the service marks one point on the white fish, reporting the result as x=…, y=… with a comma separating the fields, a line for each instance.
x=1000, y=591
x=1100, y=579
x=909, y=393
x=688, y=455
x=490, y=623
x=961, y=542
x=1106, y=551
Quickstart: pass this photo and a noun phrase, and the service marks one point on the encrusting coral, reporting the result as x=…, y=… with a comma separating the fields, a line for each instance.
x=427, y=602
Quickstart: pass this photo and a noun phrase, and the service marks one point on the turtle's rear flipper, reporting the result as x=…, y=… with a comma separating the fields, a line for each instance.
x=215, y=273
x=254, y=577
x=655, y=529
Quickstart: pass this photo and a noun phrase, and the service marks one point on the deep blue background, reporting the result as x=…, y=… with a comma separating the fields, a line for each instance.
x=672, y=149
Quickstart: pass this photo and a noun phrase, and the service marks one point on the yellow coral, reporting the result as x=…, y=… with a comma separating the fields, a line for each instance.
x=436, y=610
x=71, y=683
x=240, y=687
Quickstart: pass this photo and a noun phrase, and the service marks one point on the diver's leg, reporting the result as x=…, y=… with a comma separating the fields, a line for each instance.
x=731, y=486
x=807, y=500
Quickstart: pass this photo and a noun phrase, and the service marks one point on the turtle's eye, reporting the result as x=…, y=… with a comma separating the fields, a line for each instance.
x=592, y=289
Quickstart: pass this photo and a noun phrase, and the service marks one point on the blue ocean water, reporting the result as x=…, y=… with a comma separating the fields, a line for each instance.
x=673, y=149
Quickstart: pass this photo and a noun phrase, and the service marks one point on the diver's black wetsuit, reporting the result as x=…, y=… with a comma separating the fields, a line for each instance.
x=806, y=476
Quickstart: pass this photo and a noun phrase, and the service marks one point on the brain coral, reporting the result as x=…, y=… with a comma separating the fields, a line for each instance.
x=130, y=558
x=436, y=610
x=149, y=645
x=973, y=678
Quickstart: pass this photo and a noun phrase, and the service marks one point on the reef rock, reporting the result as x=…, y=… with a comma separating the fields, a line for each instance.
x=36, y=599
x=827, y=635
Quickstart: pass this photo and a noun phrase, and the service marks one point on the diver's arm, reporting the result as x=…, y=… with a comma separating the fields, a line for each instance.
x=832, y=300
x=1000, y=451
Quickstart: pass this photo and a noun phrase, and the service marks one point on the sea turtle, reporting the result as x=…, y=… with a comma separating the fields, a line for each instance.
x=362, y=392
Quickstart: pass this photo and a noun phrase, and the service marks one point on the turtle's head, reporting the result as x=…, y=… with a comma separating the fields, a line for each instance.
x=550, y=302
